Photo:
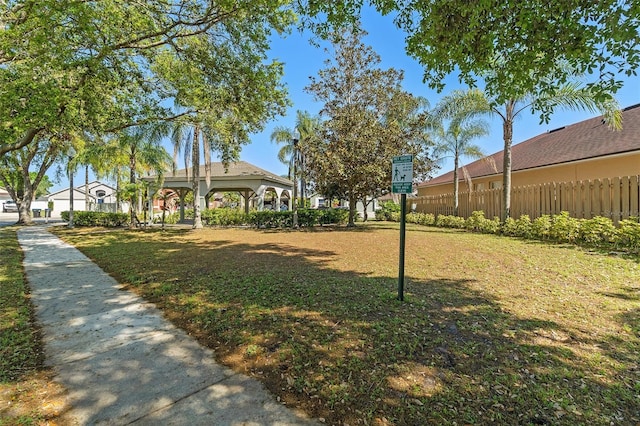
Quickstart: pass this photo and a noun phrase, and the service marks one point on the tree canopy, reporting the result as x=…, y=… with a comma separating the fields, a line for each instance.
x=368, y=119
x=101, y=66
x=516, y=47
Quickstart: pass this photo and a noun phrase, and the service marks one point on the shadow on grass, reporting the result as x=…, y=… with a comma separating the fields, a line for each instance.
x=338, y=344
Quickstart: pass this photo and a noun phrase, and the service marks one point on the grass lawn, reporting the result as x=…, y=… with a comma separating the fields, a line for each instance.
x=493, y=330
x=27, y=393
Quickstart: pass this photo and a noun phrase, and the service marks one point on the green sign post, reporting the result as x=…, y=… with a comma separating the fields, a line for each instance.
x=402, y=183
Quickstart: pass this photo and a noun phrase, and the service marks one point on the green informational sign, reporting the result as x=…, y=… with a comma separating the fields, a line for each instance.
x=402, y=174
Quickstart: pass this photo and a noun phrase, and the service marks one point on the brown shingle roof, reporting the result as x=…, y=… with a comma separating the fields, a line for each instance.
x=587, y=139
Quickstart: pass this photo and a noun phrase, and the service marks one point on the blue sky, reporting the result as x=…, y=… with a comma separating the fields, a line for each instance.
x=302, y=60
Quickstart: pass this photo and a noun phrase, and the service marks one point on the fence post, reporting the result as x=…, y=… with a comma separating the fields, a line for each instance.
x=635, y=196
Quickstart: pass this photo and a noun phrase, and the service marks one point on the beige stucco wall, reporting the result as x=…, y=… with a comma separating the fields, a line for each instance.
x=604, y=167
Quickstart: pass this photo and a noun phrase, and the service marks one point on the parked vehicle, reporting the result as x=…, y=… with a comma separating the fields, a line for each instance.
x=10, y=207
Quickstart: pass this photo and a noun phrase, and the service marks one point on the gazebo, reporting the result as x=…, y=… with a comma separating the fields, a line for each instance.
x=250, y=181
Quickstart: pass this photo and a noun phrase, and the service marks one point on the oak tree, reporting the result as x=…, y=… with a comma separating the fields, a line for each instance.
x=367, y=119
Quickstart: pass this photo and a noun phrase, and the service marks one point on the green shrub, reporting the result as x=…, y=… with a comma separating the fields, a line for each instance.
x=491, y=226
x=628, y=234
x=521, y=227
x=478, y=223
x=108, y=220
x=540, y=227
x=393, y=216
x=427, y=219
x=309, y=217
x=223, y=217
x=564, y=228
x=412, y=217
x=509, y=227
x=228, y=217
x=387, y=210
x=208, y=217
x=334, y=216
x=270, y=219
x=450, y=221
x=524, y=226
x=598, y=231
x=169, y=218
x=474, y=222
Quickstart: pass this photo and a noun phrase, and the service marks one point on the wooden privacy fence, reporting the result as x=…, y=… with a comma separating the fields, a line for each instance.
x=616, y=198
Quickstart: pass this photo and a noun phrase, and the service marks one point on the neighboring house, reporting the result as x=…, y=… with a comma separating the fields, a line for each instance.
x=577, y=153
x=100, y=196
x=4, y=196
x=35, y=204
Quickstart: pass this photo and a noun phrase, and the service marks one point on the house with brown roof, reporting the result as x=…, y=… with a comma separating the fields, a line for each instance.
x=580, y=153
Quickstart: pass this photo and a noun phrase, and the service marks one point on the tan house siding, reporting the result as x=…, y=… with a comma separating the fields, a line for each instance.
x=626, y=164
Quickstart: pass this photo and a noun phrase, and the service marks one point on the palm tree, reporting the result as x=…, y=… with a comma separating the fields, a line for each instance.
x=568, y=96
x=95, y=155
x=186, y=137
x=292, y=151
x=456, y=142
x=143, y=148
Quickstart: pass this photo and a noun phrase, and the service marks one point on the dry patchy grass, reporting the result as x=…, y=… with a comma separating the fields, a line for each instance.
x=493, y=330
x=28, y=394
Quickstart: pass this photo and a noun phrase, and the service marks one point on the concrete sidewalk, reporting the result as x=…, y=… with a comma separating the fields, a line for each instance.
x=121, y=361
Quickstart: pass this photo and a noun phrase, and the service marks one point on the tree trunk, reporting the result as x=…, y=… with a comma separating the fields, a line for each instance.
x=366, y=203
x=24, y=202
x=456, y=185
x=24, y=210
x=117, y=194
x=195, y=158
x=23, y=196
x=303, y=181
x=352, y=211
x=86, y=188
x=165, y=197
x=507, y=131
x=132, y=180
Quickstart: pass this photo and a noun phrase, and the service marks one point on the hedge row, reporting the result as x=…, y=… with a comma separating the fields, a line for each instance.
x=108, y=220
x=597, y=232
x=266, y=218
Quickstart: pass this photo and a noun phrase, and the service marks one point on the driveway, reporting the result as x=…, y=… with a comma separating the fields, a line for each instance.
x=8, y=219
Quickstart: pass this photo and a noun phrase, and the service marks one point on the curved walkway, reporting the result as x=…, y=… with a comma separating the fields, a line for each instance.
x=121, y=361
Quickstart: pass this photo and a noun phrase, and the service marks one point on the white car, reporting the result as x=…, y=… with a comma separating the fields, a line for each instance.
x=10, y=206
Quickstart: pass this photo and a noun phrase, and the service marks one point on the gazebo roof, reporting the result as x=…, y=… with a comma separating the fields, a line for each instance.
x=237, y=175
x=234, y=170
